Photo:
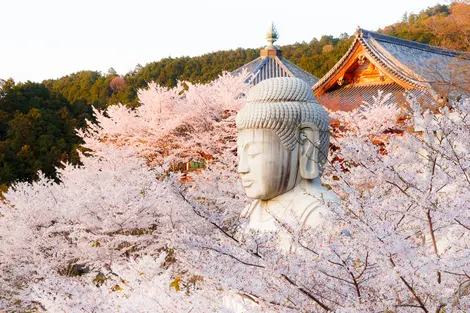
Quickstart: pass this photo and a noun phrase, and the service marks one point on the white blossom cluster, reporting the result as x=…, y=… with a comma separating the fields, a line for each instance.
x=173, y=125
x=121, y=233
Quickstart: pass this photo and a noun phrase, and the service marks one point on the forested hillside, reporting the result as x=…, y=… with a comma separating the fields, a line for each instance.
x=37, y=129
x=442, y=25
x=37, y=121
x=95, y=88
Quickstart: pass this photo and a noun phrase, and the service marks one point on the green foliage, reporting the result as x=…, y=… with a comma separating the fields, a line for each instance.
x=316, y=57
x=85, y=87
x=37, y=121
x=37, y=131
x=447, y=26
x=93, y=88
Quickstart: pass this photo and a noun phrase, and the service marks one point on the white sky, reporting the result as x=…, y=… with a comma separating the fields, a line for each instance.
x=42, y=39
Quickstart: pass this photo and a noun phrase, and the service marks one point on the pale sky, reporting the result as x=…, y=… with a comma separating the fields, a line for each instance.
x=42, y=39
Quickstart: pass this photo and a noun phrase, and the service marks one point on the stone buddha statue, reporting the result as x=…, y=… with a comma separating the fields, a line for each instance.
x=283, y=141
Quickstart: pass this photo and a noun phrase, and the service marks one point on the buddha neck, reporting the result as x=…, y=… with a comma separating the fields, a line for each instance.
x=303, y=187
x=293, y=206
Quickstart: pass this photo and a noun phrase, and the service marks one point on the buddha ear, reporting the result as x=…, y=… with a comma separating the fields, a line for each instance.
x=308, y=151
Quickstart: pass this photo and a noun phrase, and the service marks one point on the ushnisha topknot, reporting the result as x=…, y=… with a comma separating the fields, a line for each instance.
x=282, y=89
x=285, y=105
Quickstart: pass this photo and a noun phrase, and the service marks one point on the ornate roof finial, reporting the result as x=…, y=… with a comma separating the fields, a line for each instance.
x=272, y=36
x=359, y=33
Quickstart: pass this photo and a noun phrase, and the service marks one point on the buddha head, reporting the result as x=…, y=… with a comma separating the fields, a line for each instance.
x=283, y=137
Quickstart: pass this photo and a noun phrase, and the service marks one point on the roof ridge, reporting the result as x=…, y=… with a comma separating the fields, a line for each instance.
x=282, y=59
x=395, y=66
x=409, y=43
x=338, y=64
x=247, y=65
x=244, y=65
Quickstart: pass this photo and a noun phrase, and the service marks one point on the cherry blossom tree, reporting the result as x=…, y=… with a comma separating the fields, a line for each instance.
x=128, y=232
x=174, y=125
x=404, y=211
x=105, y=238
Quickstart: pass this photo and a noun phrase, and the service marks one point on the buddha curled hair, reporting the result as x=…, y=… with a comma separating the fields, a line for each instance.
x=285, y=105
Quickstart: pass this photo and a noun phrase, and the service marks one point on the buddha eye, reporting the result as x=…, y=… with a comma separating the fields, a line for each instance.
x=254, y=150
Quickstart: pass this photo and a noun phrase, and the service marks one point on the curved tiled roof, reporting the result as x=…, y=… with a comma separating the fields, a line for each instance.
x=337, y=66
x=297, y=72
x=409, y=43
x=249, y=67
x=271, y=64
x=415, y=63
x=274, y=66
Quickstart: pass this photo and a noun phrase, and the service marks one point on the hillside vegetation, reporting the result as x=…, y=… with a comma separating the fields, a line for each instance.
x=37, y=121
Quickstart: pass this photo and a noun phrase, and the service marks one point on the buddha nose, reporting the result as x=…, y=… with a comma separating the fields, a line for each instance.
x=243, y=167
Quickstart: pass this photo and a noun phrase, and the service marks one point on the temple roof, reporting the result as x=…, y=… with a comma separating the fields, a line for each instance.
x=271, y=64
x=411, y=64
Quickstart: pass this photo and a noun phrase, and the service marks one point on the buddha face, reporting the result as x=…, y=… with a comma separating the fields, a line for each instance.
x=267, y=169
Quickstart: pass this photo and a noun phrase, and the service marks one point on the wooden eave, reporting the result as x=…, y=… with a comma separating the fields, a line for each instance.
x=350, y=62
x=383, y=61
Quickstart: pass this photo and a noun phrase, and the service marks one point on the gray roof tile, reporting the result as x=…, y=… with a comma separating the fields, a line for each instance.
x=420, y=65
x=269, y=67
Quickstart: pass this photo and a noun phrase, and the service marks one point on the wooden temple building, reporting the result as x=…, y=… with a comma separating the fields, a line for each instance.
x=435, y=76
x=271, y=64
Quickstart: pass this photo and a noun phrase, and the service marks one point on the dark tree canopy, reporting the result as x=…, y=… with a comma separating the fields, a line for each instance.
x=37, y=131
x=37, y=121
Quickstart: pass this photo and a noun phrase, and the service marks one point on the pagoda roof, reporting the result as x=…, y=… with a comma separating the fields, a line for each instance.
x=411, y=64
x=271, y=64
x=267, y=67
